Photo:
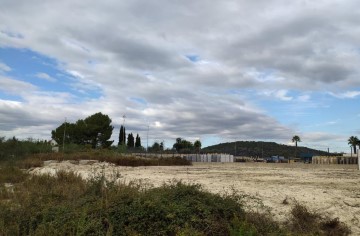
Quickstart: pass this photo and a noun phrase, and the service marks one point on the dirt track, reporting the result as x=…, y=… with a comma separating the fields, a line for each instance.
x=330, y=189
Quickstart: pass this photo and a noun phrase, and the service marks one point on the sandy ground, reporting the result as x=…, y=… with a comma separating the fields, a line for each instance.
x=330, y=189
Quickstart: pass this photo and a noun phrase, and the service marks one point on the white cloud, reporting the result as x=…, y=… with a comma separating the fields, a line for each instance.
x=4, y=67
x=346, y=95
x=267, y=47
x=16, y=87
x=45, y=76
x=278, y=94
x=76, y=74
x=322, y=137
x=304, y=98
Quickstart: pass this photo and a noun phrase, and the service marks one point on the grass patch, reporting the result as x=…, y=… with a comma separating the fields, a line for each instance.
x=37, y=160
x=11, y=174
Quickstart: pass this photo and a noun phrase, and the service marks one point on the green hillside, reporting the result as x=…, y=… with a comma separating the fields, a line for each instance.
x=261, y=149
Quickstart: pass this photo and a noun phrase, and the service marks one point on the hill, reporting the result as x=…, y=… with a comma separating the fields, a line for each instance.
x=262, y=149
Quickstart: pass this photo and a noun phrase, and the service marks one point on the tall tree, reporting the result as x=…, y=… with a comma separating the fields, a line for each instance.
x=157, y=147
x=124, y=136
x=295, y=140
x=353, y=141
x=137, y=141
x=130, y=141
x=60, y=132
x=99, y=130
x=95, y=130
x=197, y=146
x=162, y=146
x=121, y=136
x=183, y=146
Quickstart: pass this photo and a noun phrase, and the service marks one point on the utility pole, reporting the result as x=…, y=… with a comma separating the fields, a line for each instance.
x=358, y=157
x=123, y=119
x=147, y=139
x=235, y=148
x=124, y=134
x=64, y=136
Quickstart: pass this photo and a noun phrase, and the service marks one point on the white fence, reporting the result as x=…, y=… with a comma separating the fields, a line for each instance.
x=334, y=160
x=209, y=157
x=215, y=157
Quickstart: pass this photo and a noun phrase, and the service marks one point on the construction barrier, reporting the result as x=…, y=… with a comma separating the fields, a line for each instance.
x=334, y=160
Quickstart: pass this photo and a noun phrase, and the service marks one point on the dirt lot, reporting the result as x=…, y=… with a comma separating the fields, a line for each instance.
x=330, y=189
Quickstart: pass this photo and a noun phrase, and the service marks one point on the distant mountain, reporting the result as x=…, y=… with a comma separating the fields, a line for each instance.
x=262, y=149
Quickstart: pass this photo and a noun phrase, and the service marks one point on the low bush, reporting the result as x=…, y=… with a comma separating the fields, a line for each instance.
x=65, y=204
x=305, y=222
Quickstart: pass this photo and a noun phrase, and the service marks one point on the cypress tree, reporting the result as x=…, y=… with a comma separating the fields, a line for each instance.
x=130, y=141
x=122, y=136
x=137, y=141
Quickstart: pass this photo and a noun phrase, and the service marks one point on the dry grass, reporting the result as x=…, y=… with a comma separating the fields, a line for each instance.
x=305, y=222
x=37, y=160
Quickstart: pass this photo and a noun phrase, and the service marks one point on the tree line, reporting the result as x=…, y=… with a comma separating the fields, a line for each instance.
x=94, y=131
x=14, y=148
x=131, y=141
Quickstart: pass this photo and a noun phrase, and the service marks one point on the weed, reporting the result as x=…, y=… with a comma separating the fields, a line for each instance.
x=305, y=222
x=333, y=227
x=285, y=201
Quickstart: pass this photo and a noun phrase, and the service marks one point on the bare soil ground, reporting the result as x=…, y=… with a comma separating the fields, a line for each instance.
x=333, y=190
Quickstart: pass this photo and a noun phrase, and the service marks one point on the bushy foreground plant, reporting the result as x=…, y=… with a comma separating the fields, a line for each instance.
x=65, y=204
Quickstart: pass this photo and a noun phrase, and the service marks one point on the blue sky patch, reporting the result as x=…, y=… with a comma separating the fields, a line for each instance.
x=193, y=58
x=43, y=72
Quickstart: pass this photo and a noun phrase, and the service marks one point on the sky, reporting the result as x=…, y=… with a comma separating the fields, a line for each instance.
x=217, y=71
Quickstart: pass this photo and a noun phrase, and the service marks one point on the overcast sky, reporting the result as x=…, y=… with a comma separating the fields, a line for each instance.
x=217, y=71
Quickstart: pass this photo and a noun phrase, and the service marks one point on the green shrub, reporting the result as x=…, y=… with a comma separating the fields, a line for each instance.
x=65, y=204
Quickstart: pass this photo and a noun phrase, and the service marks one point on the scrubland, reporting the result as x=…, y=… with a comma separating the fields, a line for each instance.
x=74, y=197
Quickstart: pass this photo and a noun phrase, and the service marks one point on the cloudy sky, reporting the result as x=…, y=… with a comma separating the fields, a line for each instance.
x=217, y=71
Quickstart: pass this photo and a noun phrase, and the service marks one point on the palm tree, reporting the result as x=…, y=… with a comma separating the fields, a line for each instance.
x=353, y=141
x=295, y=140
